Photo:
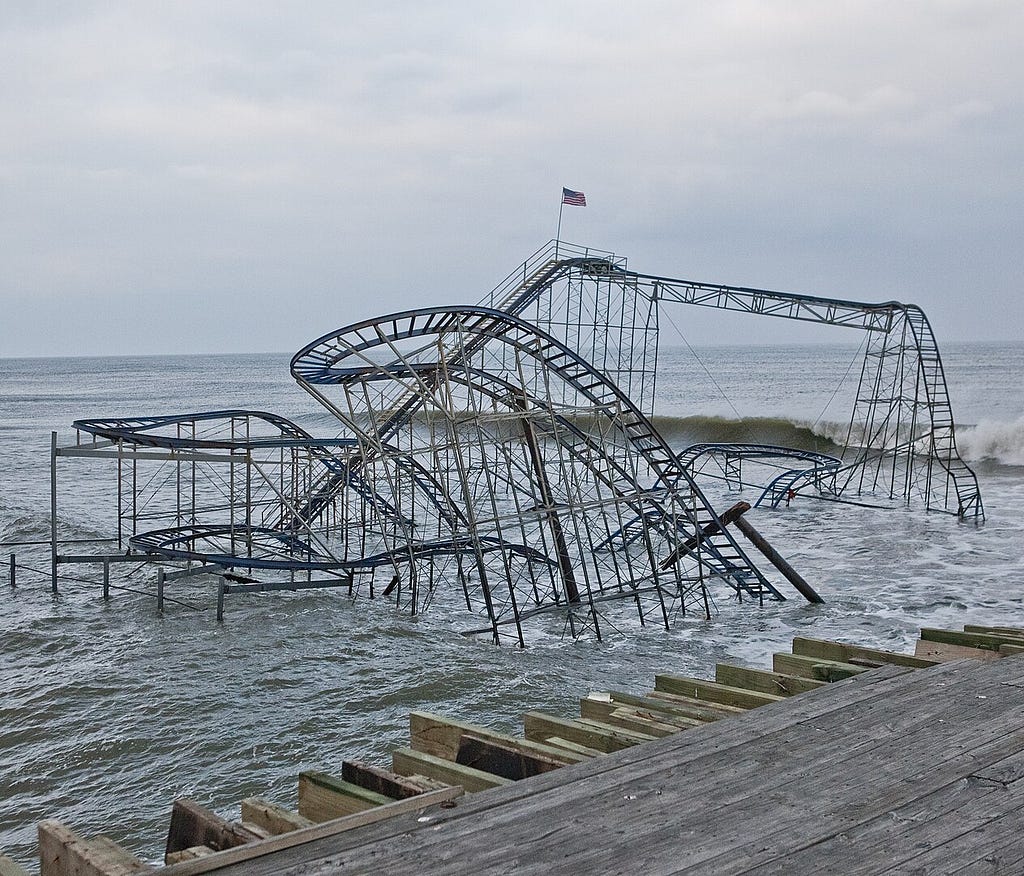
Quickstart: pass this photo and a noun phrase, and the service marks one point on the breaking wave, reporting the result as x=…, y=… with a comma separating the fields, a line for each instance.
x=824, y=437
x=993, y=441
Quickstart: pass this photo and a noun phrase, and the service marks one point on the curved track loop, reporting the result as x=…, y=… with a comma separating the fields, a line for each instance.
x=539, y=447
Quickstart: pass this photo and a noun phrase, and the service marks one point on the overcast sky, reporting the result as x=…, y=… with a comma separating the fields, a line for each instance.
x=189, y=177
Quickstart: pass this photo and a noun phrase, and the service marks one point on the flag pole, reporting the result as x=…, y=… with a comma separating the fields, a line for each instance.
x=558, y=232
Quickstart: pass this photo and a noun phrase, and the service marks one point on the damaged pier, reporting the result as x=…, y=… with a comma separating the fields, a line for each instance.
x=838, y=759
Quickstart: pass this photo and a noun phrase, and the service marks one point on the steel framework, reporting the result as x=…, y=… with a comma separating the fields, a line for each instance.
x=502, y=456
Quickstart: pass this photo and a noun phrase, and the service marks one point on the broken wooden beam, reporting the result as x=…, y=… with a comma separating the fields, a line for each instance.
x=730, y=516
x=777, y=560
x=270, y=817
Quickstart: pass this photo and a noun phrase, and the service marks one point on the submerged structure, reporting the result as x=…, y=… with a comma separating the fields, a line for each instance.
x=503, y=456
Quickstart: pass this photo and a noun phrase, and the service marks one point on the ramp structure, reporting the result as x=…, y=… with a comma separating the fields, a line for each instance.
x=502, y=456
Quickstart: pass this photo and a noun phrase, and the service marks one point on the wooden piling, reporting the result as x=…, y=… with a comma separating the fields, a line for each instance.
x=777, y=560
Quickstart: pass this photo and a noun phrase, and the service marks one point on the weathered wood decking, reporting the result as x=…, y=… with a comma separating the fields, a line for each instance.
x=891, y=771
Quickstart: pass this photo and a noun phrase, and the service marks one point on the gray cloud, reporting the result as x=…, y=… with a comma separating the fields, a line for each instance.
x=238, y=176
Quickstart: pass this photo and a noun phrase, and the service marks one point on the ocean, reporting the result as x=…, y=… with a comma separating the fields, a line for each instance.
x=109, y=710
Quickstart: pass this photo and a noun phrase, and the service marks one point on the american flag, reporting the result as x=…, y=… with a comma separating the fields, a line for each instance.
x=573, y=199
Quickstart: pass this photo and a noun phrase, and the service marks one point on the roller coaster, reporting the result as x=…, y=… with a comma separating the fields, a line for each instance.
x=503, y=456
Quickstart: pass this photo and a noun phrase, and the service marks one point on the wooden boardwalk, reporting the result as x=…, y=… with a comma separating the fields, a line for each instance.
x=891, y=771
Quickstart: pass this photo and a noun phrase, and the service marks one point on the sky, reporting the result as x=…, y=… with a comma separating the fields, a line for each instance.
x=229, y=177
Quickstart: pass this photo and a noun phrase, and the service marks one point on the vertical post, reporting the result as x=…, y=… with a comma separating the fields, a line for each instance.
x=558, y=232
x=220, y=600
x=13, y=567
x=160, y=590
x=53, y=512
x=106, y=578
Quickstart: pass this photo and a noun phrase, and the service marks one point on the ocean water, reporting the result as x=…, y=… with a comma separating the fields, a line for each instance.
x=108, y=710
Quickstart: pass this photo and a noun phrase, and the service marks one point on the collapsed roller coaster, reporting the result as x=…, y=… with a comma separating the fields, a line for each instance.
x=503, y=455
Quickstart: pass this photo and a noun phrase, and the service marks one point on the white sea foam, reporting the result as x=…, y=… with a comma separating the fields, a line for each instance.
x=993, y=440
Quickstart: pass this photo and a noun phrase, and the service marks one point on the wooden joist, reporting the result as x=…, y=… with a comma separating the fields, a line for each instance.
x=382, y=781
x=270, y=817
x=713, y=692
x=584, y=751
x=677, y=709
x=195, y=825
x=407, y=762
x=189, y=854
x=631, y=718
x=841, y=652
x=323, y=797
x=502, y=760
x=705, y=710
x=441, y=736
x=815, y=668
x=602, y=737
x=763, y=681
x=63, y=853
x=1018, y=632
x=243, y=856
x=982, y=641
x=943, y=652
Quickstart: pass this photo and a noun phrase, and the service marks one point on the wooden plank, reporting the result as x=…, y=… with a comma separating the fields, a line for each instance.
x=195, y=825
x=63, y=853
x=946, y=651
x=323, y=797
x=842, y=652
x=244, y=856
x=682, y=709
x=763, y=681
x=713, y=692
x=645, y=707
x=814, y=667
x=441, y=736
x=405, y=762
x=403, y=844
x=1010, y=650
x=501, y=760
x=697, y=708
x=985, y=641
x=538, y=725
x=1018, y=632
x=272, y=818
x=189, y=854
x=426, y=783
x=709, y=791
x=619, y=715
x=585, y=751
x=8, y=867
x=380, y=781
